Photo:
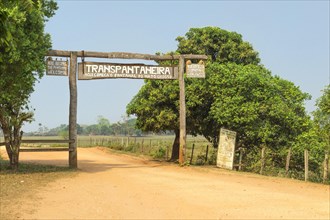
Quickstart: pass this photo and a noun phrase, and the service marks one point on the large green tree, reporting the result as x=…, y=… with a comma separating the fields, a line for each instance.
x=322, y=117
x=238, y=93
x=24, y=44
x=157, y=103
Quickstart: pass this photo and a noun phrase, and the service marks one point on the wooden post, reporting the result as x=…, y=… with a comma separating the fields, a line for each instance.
x=306, y=164
x=262, y=159
x=192, y=153
x=240, y=158
x=182, y=149
x=73, y=163
x=325, y=166
x=207, y=152
x=142, y=145
x=167, y=151
x=287, y=164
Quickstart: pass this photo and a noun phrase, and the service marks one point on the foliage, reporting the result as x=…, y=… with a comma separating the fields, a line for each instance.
x=23, y=47
x=220, y=45
x=103, y=127
x=261, y=108
x=157, y=103
x=322, y=117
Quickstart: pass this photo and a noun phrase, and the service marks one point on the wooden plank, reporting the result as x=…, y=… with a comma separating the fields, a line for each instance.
x=50, y=141
x=182, y=112
x=73, y=163
x=47, y=141
x=124, y=55
x=44, y=149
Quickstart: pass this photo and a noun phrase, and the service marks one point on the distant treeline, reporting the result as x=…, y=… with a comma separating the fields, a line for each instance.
x=103, y=126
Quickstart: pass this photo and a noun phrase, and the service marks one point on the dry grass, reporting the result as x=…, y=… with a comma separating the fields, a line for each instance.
x=14, y=186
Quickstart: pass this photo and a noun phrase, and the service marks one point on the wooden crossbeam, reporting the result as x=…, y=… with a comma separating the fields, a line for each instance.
x=42, y=149
x=124, y=55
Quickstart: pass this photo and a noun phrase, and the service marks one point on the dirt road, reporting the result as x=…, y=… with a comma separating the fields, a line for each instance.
x=115, y=186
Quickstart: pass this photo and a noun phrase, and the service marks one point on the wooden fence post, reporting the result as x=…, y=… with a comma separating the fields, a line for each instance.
x=192, y=153
x=325, y=166
x=142, y=145
x=287, y=164
x=306, y=164
x=240, y=158
x=262, y=159
x=73, y=162
x=167, y=151
x=207, y=152
x=182, y=107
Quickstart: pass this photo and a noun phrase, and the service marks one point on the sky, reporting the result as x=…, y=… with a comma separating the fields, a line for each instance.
x=292, y=38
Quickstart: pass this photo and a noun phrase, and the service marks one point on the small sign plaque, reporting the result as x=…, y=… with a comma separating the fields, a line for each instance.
x=195, y=70
x=57, y=67
x=226, y=149
x=96, y=70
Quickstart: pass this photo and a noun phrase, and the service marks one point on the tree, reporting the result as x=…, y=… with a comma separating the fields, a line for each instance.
x=157, y=103
x=237, y=94
x=103, y=125
x=220, y=45
x=23, y=47
x=322, y=117
x=263, y=109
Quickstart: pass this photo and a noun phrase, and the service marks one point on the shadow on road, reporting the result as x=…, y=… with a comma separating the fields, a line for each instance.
x=90, y=166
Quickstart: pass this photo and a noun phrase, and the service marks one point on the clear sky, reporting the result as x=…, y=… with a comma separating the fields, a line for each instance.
x=292, y=38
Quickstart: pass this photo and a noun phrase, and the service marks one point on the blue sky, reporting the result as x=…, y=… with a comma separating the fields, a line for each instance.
x=292, y=38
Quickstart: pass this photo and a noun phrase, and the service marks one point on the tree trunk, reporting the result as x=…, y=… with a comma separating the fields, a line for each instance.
x=176, y=146
x=14, y=161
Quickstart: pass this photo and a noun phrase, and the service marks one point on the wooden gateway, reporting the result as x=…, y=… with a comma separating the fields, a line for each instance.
x=96, y=70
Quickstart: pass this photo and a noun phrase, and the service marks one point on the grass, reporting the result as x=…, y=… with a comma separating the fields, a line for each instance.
x=24, y=183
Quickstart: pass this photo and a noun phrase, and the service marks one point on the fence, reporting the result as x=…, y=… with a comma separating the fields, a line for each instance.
x=298, y=165
x=200, y=152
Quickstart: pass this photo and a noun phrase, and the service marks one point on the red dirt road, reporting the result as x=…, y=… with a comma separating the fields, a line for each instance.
x=115, y=186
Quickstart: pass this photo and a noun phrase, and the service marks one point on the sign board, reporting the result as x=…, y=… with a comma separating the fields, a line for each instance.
x=195, y=70
x=57, y=67
x=226, y=149
x=96, y=70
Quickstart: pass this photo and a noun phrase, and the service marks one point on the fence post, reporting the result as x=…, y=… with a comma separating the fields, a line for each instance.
x=325, y=166
x=167, y=152
x=287, y=164
x=207, y=152
x=192, y=153
x=127, y=142
x=262, y=159
x=142, y=145
x=306, y=164
x=240, y=158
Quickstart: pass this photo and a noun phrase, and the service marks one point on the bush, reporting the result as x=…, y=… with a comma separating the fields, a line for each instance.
x=159, y=153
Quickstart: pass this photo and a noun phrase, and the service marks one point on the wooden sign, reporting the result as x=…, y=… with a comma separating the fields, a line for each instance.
x=57, y=67
x=226, y=149
x=96, y=70
x=195, y=70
